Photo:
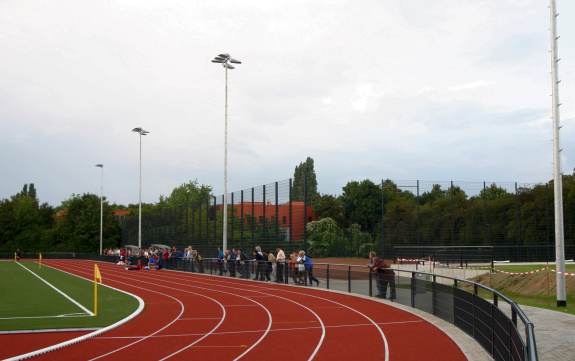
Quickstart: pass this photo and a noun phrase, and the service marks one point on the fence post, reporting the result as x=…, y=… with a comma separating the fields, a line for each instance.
x=290, y=212
x=264, y=225
x=370, y=284
x=473, y=307
x=231, y=237
x=277, y=211
x=253, y=219
x=434, y=295
x=413, y=289
x=305, y=211
x=382, y=205
x=200, y=221
x=207, y=219
x=349, y=278
x=327, y=276
x=242, y=218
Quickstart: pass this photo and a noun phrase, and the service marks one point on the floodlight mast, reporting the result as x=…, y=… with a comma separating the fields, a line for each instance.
x=225, y=60
x=557, y=174
x=141, y=132
x=101, y=166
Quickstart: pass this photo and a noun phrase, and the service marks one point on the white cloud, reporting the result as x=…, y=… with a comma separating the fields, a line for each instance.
x=410, y=89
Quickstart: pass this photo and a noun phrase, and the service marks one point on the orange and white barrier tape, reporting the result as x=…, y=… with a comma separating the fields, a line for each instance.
x=533, y=272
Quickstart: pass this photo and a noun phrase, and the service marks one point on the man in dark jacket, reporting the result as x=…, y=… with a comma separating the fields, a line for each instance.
x=384, y=275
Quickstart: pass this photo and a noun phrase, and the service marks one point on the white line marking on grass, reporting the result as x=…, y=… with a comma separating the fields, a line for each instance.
x=89, y=335
x=47, y=330
x=66, y=315
x=182, y=309
x=59, y=291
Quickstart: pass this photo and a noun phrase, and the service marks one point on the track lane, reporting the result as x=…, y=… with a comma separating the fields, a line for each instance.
x=406, y=331
x=238, y=315
x=283, y=309
x=353, y=325
x=151, y=322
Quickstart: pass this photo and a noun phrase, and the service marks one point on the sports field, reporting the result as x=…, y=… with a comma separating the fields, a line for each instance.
x=36, y=297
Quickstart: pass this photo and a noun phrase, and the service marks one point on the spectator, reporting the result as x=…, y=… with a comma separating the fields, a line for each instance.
x=232, y=262
x=384, y=275
x=280, y=264
x=309, y=268
x=300, y=277
x=220, y=261
x=270, y=265
x=260, y=260
x=242, y=264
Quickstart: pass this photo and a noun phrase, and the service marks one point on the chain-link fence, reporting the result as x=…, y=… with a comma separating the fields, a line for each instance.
x=267, y=215
x=412, y=219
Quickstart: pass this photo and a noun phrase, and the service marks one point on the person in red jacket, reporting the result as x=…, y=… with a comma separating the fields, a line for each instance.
x=385, y=275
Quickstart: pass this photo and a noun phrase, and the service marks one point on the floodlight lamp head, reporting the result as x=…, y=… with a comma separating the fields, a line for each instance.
x=100, y=165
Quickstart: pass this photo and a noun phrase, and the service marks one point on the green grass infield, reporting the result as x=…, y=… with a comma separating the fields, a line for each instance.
x=28, y=303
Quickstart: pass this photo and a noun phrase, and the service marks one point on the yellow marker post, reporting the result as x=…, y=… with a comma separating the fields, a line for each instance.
x=97, y=278
x=40, y=259
x=15, y=257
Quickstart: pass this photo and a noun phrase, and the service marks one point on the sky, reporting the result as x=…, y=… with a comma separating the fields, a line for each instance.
x=399, y=89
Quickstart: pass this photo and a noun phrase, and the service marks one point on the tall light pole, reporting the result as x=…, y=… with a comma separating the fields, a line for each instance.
x=226, y=60
x=141, y=132
x=101, y=166
x=557, y=175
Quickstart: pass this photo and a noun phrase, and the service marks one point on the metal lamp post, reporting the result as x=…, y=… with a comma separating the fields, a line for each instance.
x=226, y=60
x=141, y=132
x=101, y=166
x=557, y=175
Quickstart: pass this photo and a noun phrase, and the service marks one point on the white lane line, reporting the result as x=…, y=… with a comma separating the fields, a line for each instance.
x=385, y=343
x=321, y=339
x=205, y=334
x=57, y=290
x=179, y=316
x=87, y=336
x=287, y=329
x=258, y=341
x=198, y=318
x=82, y=270
x=266, y=287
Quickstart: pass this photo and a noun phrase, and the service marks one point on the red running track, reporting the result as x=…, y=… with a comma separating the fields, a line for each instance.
x=193, y=316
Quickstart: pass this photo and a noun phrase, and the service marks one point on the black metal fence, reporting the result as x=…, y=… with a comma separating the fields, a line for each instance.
x=270, y=215
x=515, y=219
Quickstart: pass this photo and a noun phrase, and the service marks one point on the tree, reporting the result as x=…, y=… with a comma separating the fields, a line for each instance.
x=324, y=237
x=299, y=181
x=328, y=206
x=187, y=194
x=362, y=204
x=79, y=228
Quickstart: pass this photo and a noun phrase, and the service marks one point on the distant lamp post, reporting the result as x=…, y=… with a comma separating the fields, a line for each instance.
x=101, y=166
x=141, y=132
x=226, y=60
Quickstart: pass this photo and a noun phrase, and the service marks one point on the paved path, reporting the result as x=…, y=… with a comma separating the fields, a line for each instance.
x=554, y=333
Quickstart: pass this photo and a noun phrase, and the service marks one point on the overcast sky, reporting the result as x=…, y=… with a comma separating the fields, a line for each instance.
x=404, y=89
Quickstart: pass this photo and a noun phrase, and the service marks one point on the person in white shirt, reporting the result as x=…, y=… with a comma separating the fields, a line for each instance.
x=280, y=265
